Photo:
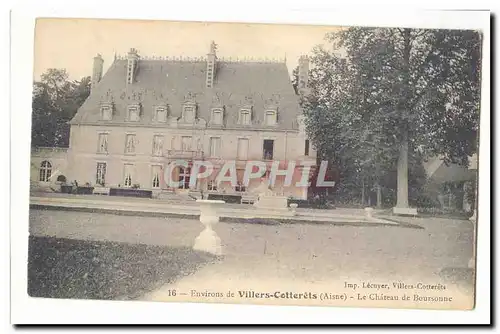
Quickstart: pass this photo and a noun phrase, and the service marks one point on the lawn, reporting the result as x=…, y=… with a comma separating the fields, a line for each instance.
x=67, y=268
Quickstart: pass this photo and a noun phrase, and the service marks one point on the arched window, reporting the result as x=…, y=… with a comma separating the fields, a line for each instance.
x=184, y=177
x=156, y=173
x=245, y=117
x=271, y=117
x=160, y=114
x=45, y=171
x=134, y=113
x=217, y=116
x=240, y=187
x=189, y=114
x=212, y=185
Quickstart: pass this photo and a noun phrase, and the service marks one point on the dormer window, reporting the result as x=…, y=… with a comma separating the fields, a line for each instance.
x=106, y=112
x=189, y=113
x=271, y=117
x=245, y=117
x=134, y=112
x=160, y=114
x=217, y=116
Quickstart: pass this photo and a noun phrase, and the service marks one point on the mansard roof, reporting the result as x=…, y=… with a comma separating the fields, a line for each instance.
x=237, y=85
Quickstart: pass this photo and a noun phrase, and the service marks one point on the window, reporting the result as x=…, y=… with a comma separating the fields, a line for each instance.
x=106, y=113
x=217, y=117
x=240, y=187
x=186, y=143
x=271, y=118
x=101, y=174
x=214, y=146
x=130, y=144
x=158, y=146
x=161, y=114
x=156, y=174
x=189, y=114
x=45, y=171
x=245, y=117
x=268, y=149
x=102, y=143
x=242, y=148
x=133, y=113
x=128, y=172
x=184, y=177
x=306, y=149
x=212, y=185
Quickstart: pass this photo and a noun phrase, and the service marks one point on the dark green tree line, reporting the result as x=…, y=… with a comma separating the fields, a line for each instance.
x=384, y=99
x=55, y=101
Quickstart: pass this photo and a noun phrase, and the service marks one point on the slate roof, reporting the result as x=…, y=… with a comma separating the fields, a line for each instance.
x=236, y=85
x=438, y=172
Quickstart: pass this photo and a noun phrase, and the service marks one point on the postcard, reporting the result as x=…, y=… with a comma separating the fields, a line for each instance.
x=245, y=163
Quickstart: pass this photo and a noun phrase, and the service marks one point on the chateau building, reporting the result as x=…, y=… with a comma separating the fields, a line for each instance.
x=144, y=113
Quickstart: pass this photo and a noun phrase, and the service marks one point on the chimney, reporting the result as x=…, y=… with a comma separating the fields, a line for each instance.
x=303, y=75
x=211, y=65
x=132, y=65
x=97, y=70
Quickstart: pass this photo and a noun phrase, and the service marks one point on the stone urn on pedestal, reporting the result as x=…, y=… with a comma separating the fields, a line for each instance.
x=208, y=241
x=368, y=213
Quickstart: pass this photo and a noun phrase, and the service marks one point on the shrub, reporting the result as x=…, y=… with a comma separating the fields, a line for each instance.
x=61, y=178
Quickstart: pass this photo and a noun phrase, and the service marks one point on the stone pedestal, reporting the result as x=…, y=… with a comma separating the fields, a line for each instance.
x=404, y=211
x=101, y=191
x=368, y=213
x=473, y=217
x=208, y=241
x=272, y=202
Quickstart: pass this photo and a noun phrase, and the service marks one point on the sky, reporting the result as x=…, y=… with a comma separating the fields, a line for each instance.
x=72, y=43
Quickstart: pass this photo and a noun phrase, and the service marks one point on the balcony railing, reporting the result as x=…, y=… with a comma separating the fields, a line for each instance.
x=181, y=154
x=48, y=150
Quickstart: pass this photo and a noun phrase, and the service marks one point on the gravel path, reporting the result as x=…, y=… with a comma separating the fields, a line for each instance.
x=295, y=253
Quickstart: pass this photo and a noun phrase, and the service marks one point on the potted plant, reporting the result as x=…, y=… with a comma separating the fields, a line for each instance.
x=87, y=189
x=66, y=188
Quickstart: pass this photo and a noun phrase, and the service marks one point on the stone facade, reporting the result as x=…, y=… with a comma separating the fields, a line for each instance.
x=142, y=114
x=84, y=155
x=48, y=165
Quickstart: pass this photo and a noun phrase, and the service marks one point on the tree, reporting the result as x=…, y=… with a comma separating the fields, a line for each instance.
x=295, y=79
x=55, y=102
x=396, y=94
x=43, y=125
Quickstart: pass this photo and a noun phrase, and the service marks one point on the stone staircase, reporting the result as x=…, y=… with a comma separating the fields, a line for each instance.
x=170, y=196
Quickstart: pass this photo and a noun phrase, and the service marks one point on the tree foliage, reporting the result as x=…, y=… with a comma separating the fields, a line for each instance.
x=55, y=101
x=393, y=94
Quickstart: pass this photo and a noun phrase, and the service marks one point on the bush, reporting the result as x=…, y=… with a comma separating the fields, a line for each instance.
x=61, y=178
x=425, y=201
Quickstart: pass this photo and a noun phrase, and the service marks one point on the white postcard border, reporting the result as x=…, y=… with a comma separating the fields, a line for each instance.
x=33, y=310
